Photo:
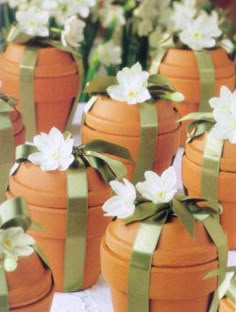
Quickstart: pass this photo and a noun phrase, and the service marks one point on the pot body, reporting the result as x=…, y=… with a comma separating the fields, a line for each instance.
x=177, y=272
x=226, y=305
x=180, y=66
x=55, y=83
x=30, y=286
x=192, y=167
x=119, y=123
x=46, y=195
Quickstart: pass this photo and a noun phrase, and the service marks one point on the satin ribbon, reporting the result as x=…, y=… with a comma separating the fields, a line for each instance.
x=14, y=212
x=27, y=100
x=91, y=155
x=27, y=68
x=7, y=141
x=207, y=79
x=153, y=217
x=156, y=62
x=231, y=293
x=211, y=168
x=157, y=86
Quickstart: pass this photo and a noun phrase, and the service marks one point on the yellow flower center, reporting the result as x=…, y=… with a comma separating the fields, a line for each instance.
x=161, y=194
x=32, y=23
x=8, y=244
x=132, y=93
x=54, y=154
x=197, y=35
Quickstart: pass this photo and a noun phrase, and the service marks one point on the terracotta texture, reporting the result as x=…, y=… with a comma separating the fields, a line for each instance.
x=30, y=286
x=192, y=166
x=226, y=305
x=119, y=123
x=178, y=267
x=55, y=83
x=180, y=67
x=46, y=195
x=18, y=127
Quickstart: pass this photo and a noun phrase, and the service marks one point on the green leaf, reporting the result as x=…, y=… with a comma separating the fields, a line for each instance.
x=100, y=84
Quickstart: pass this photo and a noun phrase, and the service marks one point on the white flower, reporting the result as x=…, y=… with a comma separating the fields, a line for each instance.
x=121, y=205
x=225, y=127
x=201, y=32
x=82, y=7
x=73, y=32
x=110, y=13
x=63, y=12
x=33, y=22
x=109, y=53
x=158, y=189
x=227, y=44
x=14, y=243
x=55, y=152
x=131, y=86
x=225, y=100
x=182, y=12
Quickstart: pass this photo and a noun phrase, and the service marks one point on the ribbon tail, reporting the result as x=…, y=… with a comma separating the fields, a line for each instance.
x=148, y=137
x=4, y=305
x=76, y=229
x=27, y=100
x=140, y=265
x=218, y=236
x=157, y=61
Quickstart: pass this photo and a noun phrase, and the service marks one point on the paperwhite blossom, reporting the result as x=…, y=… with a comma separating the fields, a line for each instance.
x=63, y=12
x=158, y=189
x=109, y=53
x=55, y=152
x=33, y=22
x=225, y=100
x=201, y=32
x=73, y=33
x=131, y=86
x=14, y=243
x=110, y=13
x=122, y=204
x=225, y=127
x=20, y=4
x=182, y=12
x=82, y=7
x=227, y=44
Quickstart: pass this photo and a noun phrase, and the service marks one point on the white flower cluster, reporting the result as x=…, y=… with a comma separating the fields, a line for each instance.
x=155, y=188
x=224, y=112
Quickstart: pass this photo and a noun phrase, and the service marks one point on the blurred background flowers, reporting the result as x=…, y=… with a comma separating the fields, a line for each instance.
x=113, y=34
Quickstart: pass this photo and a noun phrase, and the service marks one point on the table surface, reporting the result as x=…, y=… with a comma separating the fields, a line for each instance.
x=98, y=298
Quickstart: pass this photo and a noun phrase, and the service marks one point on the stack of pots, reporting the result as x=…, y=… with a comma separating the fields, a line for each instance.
x=181, y=68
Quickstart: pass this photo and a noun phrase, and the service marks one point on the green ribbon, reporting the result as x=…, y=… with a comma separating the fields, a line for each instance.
x=27, y=68
x=156, y=62
x=14, y=212
x=148, y=139
x=211, y=168
x=157, y=86
x=7, y=141
x=207, y=79
x=91, y=155
x=27, y=100
x=153, y=217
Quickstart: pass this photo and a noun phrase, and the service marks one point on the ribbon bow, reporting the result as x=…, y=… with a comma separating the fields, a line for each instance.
x=6, y=140
x=153, y=217
x=27, y=69
x=92, y=155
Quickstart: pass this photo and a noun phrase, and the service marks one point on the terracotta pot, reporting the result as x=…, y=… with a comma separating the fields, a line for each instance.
x=180, y=66
x=226, y=305
x=119, y=123
x=18, y=127
x=30, y=286
x=192, y=166
x=55, y=83
x=178, y=267
x=46, y=195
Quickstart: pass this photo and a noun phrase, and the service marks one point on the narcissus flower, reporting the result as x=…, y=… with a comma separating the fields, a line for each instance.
x=225, y=100
x=73, y=33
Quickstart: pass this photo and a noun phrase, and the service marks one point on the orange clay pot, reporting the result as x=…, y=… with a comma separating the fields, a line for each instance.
x=18, y=127
x=119, y=123
x=55, y=83
x=46, y=195
x=178, y=267
x=30, y=286
x=226, y=305
x=192, y=166
x=180, y=67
